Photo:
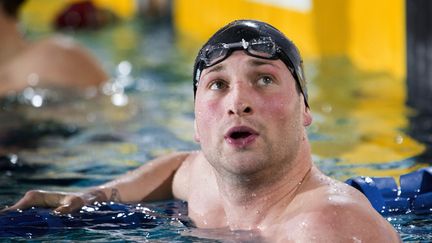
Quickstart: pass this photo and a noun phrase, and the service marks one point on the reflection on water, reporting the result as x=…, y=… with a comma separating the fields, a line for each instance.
x=360, y=122
x=75, y=140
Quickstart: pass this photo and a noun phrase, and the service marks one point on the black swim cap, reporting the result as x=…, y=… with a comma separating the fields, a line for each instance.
x=247, y=30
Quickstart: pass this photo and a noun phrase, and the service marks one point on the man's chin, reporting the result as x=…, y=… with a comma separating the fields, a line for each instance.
x=243, y=163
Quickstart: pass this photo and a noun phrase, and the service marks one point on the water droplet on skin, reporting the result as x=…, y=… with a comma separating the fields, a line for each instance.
x=355, y=239
x=253, y=195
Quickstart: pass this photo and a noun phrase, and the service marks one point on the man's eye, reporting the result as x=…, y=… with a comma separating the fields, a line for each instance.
x=265, y=81
x=217, y=85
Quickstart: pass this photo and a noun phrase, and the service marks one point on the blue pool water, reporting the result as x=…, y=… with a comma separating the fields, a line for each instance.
x=77, y=140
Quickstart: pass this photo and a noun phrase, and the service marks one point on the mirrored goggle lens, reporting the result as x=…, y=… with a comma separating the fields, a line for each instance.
x=214, y=54
x=264, y=49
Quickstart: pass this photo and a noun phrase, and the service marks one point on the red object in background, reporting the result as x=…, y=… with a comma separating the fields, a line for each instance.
x=80, y=15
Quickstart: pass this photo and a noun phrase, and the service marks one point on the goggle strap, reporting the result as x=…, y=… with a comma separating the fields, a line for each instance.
x=198, y=75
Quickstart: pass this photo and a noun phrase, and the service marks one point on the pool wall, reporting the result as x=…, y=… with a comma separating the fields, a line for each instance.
x=371, y=33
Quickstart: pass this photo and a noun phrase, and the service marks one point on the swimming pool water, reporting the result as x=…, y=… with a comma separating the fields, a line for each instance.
x=77, y=140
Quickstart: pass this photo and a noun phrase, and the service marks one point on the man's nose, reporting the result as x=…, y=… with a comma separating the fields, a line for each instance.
x=240, y=102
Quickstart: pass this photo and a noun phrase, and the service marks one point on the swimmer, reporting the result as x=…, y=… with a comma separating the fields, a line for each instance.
x=54, y=61
x=254, y=170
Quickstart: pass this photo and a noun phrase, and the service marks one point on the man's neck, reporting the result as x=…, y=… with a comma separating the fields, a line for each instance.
x=248, y=204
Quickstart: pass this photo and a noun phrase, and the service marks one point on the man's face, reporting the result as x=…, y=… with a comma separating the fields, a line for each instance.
x=249, y=115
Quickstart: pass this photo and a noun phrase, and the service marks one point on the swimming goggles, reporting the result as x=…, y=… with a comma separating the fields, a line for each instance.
x=264, y=48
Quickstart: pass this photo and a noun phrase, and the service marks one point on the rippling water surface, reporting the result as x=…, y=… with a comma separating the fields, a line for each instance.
x=75, y=140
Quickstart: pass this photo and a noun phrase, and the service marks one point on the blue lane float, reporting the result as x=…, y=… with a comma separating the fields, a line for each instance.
x=413, y=195
x=37, y=222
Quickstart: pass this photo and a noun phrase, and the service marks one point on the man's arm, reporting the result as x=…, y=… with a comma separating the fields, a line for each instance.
x=152, y=181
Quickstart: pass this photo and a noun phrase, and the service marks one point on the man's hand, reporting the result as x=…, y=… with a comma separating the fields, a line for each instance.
x=150, y=182
x=61, y=202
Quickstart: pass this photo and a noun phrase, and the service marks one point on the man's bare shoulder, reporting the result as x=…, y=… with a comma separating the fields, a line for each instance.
x=329, y=210
x=182, y=177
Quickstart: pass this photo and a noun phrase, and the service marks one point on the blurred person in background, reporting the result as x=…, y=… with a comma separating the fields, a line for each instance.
x=54, y=61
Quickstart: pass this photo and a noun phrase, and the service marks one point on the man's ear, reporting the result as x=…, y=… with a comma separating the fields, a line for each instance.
x=307, y=115
x=196, y=134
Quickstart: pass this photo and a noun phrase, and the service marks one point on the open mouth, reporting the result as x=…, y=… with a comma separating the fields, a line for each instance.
x=237, y=135
x=240, y=136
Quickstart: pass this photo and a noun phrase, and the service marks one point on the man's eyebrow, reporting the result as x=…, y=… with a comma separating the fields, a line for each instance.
x=216, y=68
x=260, y=62
x=253, y=62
